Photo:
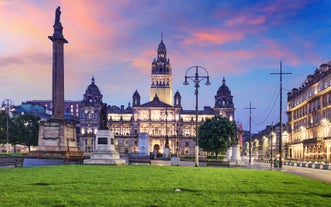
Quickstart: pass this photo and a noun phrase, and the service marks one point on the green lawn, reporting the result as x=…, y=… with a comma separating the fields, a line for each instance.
x=134, y=185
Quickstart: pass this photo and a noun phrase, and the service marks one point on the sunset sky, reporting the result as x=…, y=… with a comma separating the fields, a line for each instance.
x=116, y=42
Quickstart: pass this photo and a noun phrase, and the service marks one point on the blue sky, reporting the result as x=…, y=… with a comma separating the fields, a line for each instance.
x=116, y=42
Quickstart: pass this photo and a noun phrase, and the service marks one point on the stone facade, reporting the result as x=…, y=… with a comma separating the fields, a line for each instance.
x=309, y=115
x=159, y=118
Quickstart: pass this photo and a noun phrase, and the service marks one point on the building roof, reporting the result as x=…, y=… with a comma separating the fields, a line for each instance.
x=155, y=103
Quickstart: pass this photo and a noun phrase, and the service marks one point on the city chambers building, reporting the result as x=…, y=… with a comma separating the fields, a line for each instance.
x=162, y=118
x=309, y=115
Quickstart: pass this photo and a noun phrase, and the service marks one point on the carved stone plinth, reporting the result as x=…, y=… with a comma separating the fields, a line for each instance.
x=105, y=152
x=143, y=144
x=228, y=153
x=235, y=158
x=56, y=135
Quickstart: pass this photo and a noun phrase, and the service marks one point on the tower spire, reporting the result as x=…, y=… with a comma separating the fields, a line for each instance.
x=161, y=76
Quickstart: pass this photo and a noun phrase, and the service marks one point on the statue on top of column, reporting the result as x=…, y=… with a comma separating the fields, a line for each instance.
x=57, y=15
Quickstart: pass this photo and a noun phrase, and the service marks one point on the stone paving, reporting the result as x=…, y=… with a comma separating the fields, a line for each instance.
x=313, y=173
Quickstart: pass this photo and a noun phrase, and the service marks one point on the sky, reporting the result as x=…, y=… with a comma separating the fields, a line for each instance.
x=116, y=42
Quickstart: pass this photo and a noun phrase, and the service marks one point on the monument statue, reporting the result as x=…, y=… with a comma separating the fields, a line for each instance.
x=103, y=117
x=229, y=142
x=105, y=152
x=57, y=15
x=236, y=137
x=57, y=137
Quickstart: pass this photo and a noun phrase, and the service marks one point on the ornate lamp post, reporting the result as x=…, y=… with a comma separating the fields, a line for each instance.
x=7, y=106
x=196, y=79
x=166, y=152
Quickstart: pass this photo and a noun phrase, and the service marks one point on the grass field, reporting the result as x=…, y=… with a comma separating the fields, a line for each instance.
x=134, y=185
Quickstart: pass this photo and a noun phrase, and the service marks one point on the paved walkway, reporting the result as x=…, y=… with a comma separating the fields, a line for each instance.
x=317, y=174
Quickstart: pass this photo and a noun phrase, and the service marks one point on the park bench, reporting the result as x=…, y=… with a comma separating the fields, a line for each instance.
x=11, y=161
x=74, y=156
x=218, y=164
x=139, y=160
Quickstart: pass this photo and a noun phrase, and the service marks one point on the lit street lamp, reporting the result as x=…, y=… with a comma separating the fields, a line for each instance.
x=166, y=152
x=7, y=106
x=196, y=79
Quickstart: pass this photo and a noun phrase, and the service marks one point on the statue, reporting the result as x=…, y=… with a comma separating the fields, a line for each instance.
x=236, y=137
x=229, y=142
x=103, y=117
x=57, y=15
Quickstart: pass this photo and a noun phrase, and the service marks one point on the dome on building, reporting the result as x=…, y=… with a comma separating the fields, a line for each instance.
x=223, y=90
x=92, y=88
x=92, y=94
x=223, y=98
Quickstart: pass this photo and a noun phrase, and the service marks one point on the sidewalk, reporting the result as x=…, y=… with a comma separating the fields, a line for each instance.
x=317, y=174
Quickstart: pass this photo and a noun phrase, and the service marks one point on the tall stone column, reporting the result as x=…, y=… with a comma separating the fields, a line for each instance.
x=58, y=68
x=57, y=137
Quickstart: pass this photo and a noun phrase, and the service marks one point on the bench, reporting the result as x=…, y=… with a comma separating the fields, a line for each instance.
x=74, y=156
x=11, y=161
x=139, y=160
x=218, y=164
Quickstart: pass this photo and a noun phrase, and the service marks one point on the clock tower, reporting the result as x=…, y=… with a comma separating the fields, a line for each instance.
x=161, y=76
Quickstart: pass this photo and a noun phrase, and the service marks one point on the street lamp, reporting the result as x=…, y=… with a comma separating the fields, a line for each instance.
x=7, y=106
x=196, y=79
x=166, y=152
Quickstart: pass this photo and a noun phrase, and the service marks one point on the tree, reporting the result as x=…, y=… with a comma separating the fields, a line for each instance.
x=6, y=121
x=3, y=127
x=214, y=134
x=26, y=130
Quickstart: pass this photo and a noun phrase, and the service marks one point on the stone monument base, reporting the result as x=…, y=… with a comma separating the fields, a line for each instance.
x=105, y=158
x=56, y=137
x=166, y=152
x=102, y=161
x=228, y=153
x=235, y=158
x=105, y=152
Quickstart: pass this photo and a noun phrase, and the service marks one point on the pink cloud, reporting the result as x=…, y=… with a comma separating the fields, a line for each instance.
x=246, y=19
x=259, y=20
x=278, y=51
x=281, y=6
x=217, y=37
x=143, y=63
